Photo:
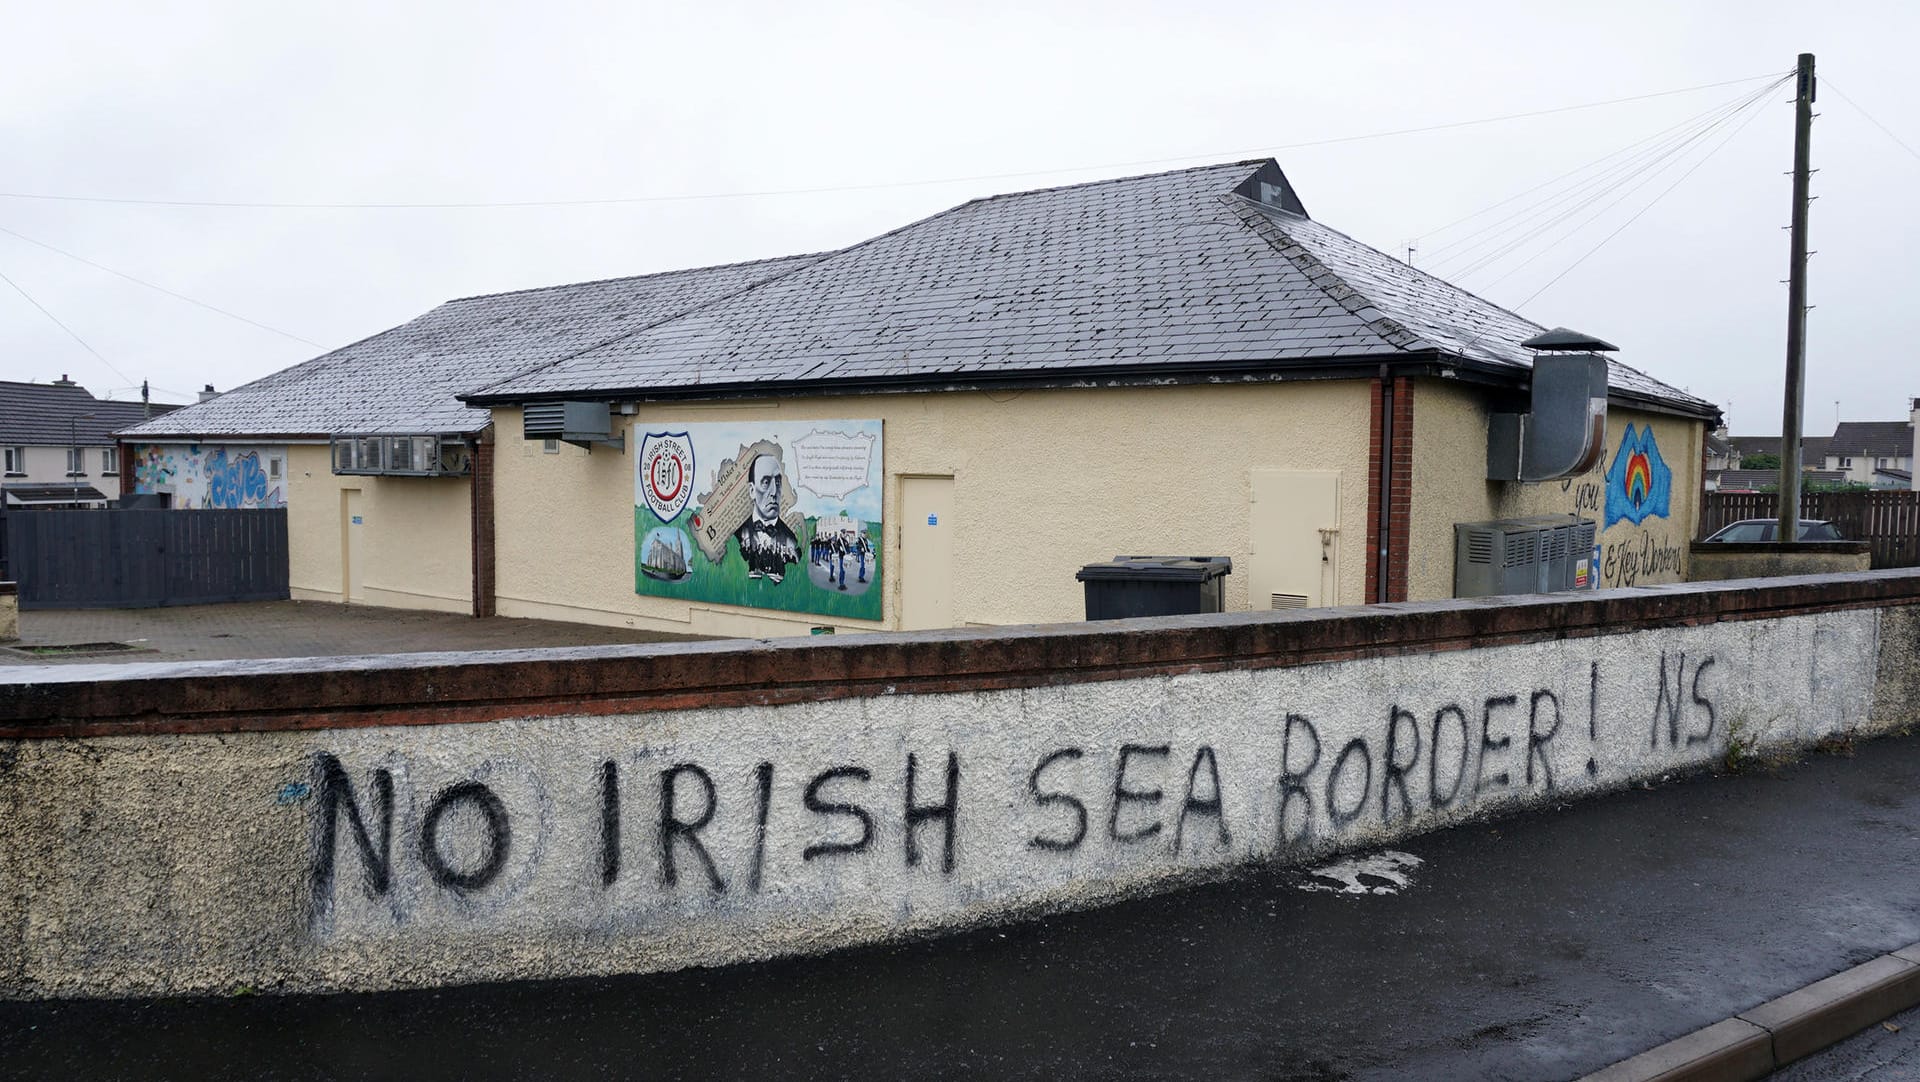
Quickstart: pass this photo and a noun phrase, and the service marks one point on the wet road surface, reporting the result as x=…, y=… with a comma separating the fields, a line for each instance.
x=1533, y=948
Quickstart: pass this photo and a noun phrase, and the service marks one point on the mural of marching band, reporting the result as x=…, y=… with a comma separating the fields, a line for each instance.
x=763, y=514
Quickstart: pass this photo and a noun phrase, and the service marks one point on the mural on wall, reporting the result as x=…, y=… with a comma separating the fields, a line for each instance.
x=1639, y=483
x=201, y=476
x=1638, y=488
x=769, y=515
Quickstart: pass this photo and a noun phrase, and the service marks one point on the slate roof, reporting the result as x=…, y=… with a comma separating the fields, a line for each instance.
x=1209, y=269
x=1813, y=449
x=50, y=414
x=404, y=379
x=1872, y=438
x=54, y=493
x=1754, y=480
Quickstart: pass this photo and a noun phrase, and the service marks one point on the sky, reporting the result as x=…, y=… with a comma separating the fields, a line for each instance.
x=902, y=110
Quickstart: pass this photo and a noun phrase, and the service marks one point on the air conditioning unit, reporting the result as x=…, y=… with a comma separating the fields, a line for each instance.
x=582, y=424
x=1523, y=556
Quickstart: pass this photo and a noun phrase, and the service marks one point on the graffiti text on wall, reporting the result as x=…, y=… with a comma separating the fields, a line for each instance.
x=206, y=477
x=683, y=823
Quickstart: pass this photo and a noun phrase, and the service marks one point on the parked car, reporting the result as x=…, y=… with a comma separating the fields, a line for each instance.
x=1762, y=529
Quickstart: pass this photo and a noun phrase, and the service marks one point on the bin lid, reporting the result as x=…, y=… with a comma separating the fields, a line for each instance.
x=1158, y=568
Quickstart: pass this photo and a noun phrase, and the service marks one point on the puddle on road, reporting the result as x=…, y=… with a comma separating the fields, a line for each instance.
x=1386, y=872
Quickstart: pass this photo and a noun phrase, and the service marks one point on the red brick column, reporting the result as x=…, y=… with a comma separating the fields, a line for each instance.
x=1400, y=485
x=482, y=526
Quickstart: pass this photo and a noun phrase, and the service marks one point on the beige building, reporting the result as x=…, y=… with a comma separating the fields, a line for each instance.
x=941, y=425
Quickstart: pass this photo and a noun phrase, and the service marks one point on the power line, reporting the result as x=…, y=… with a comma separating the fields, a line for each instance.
x=1656, y=199
x=1889, y=131
x=1665, y=144
x=17, y=288
x=1667, y=160
x=688, y=197
x=157, y=288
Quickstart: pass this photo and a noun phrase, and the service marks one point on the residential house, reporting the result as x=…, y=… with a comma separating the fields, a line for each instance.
x=1874, y=453
x=940, y=425
x=57, y=443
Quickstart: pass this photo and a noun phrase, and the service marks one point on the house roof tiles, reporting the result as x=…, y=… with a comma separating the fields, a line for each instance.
x=60, y=414
x=405, y=379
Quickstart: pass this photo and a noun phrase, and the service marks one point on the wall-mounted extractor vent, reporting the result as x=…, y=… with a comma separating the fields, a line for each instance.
x=1523, y=556
x=583, y=424
x=1290, y=601
x=1565, y=428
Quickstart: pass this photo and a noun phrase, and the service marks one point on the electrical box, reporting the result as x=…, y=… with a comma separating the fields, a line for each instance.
x=1523, y=556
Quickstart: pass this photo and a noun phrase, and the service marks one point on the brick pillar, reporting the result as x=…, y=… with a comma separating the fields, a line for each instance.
x=482, y=525
x=1399, y=488
x=1400, y=497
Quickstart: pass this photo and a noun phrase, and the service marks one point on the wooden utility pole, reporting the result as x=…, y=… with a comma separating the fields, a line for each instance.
x=1792, y=410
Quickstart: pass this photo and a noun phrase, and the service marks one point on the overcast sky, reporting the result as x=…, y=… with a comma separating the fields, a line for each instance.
x=468, y=102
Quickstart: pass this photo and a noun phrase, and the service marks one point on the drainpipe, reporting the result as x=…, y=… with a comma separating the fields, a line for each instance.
x=1384, y=497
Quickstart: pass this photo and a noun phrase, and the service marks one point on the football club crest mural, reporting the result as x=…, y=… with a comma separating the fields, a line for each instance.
x=769, y=515
x=1639, y=483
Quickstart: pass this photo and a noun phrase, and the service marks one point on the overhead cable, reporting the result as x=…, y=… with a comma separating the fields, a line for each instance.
x=687, y=197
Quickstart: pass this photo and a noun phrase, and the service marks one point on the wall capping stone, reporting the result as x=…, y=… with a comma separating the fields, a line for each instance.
x=66, y=701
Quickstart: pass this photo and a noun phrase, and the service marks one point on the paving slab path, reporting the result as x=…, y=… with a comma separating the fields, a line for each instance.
x=288, y=629
x=1542, y=947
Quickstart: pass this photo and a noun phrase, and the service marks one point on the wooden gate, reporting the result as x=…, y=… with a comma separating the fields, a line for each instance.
x=124, y=558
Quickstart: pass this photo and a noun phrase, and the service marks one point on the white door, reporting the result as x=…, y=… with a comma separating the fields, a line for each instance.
x=926, y=552
x=1295, y=521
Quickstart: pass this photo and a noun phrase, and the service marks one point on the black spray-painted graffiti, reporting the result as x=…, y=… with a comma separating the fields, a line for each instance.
x=1417, y=758
x=1627, y=562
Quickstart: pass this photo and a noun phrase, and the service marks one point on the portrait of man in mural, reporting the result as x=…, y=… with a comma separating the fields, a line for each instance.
x=767, y=543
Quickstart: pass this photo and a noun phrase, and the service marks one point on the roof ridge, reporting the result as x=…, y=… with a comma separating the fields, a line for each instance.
x=1317, y=272
x=1254, y=162
x=635, y=277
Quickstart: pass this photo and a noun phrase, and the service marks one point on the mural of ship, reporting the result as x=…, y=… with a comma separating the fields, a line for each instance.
x=665, y=560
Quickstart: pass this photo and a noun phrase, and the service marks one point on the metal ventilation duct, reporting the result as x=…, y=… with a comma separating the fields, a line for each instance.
x=1564, y=433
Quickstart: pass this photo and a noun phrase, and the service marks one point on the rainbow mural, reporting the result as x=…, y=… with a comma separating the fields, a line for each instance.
x=1639, y=483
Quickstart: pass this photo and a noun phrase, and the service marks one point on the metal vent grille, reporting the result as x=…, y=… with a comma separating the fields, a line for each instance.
x=1556, y=546
x=1480, y=547
x=1522, y=549
x=1289, y=601
x=544, y=420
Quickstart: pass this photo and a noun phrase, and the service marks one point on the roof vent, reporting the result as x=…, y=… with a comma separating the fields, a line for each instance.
x=1564, y=433
x=63, y=381
x=1268, y=186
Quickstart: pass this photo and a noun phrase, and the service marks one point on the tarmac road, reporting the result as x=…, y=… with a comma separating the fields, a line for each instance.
x=1541, y=947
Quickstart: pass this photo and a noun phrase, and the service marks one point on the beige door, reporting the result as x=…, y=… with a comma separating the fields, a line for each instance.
x=1295, y=521
x=926, y=552
x=351, y=530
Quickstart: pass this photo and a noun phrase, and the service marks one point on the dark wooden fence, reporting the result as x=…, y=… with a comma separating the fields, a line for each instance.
x=129, y=559
x=1889, y=520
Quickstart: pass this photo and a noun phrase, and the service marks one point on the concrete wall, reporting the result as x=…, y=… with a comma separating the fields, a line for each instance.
x=1450, y=485
x=415, y=543
x=48, y=466
x=424, y=819
x=1044, y=483
x=1752, y=561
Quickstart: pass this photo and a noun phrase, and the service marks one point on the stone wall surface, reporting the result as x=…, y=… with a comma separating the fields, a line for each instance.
x=1720, y=560
x=437, y=819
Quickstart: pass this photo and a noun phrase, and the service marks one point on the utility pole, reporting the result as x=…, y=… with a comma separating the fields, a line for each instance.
x=1796, y=388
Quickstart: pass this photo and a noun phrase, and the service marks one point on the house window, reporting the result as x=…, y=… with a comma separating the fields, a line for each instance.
x=273, y=468
x=16, y=461
x=76, y=462
x=110, y=461
x=551, y=447
x=1846, y=463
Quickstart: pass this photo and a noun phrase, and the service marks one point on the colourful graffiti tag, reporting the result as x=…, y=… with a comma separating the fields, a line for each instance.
x=199, y=476
x=1639, y=483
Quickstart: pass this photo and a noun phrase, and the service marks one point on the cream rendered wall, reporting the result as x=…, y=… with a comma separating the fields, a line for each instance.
x=1044, y=482
x=48, y=466
x=417, y=544
x=1450, y=485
